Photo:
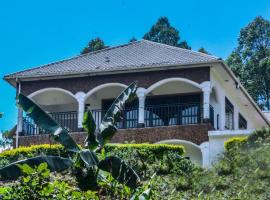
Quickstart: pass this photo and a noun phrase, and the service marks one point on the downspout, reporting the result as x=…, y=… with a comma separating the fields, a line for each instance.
x=18, y=91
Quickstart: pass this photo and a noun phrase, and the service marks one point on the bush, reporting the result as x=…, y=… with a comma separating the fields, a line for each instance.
x=31, y=151
x=37, y=183
x=146, y=150
x=235, y=143
x=147, y=159
x=259, y=137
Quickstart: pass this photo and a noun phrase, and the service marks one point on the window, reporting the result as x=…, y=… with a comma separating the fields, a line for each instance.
x=228, y=114
x=242, y=122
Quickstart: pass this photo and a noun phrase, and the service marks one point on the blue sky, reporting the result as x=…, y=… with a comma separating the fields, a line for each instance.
x=38, y=32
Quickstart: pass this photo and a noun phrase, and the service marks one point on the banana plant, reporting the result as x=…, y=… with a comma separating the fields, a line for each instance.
x=82, y=159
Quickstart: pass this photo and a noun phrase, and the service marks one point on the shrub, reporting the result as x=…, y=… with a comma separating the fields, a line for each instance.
x=235, y=143
x=147, y=159
x=259, y=137
x=37, y=183
x=146, y=150
x=34, y=150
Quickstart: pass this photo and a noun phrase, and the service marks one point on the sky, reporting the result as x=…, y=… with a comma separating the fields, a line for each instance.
x=34, y=32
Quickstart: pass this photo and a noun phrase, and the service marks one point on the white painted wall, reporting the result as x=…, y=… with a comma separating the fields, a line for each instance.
x=109, y=92
x=193, y=151
x=56, y=101
x=224, y=87
x=175, y=87
x=217, y=140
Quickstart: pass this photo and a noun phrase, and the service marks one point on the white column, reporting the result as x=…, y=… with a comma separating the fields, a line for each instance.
x=141, y=96
x=205, y=149
x=80, y=96
x=221, y=101
x=20, y=115
x=206, y=88
x=19, y=125
x=235, y=117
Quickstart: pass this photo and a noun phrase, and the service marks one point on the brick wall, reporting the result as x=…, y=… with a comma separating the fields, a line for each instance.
x=145, y=79
x=193, y=133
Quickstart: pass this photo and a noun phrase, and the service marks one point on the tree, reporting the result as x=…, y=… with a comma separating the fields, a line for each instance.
x=94, y=45
x=163, y=32
x=133, y=39
x=250, y=60
x=5, y=140
x=202, y=50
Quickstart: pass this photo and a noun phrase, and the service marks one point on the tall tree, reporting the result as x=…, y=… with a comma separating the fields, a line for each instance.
x=94, y=45
x=203, y=50
x=133, y=39
x=163, y=32
x=250, y=60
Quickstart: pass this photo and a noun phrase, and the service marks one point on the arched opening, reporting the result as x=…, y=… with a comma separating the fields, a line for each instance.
x=60, y=104
x=192, y=151
x=173, y=101
x=99, y=99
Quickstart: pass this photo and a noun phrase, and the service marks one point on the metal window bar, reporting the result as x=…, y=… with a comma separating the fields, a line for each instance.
x=172, y=114
x=229, y=115
x=68, y=120
x=129, y=118
x=242, y=122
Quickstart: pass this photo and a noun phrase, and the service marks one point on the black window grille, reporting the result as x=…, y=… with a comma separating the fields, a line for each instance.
x=242, y=122
x=229, y=110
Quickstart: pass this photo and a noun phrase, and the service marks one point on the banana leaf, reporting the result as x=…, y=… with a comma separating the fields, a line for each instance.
x=108, y=127
x=46, y=122
x=120, y=171
x=145, y=195
x=89, y=157
x=89, y=126
x=55, y=163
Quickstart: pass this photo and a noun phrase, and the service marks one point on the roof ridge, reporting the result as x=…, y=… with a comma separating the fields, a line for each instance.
x=174, y=47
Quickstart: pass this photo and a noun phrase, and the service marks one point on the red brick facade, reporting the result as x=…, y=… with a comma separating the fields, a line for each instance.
x=145, y=79
x=193, y=133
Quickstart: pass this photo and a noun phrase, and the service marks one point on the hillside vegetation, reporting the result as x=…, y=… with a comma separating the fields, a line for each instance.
x=243, y=172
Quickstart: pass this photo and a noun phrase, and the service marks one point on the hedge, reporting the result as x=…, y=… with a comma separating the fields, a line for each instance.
x=34, y=150
x=235, y=142
x=155, y=150
x=145, y=148
x=256, y=138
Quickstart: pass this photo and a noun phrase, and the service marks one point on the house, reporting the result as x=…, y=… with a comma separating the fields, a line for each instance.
x=184, y=97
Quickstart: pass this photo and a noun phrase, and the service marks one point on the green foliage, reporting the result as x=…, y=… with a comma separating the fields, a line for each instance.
x=31, y=151
x=163, y=32
x=258, y=137
x=119, y=171
x=94, y=45
x=38, y=184
x=108, y=126
x=85, y=164
x=55, y=163
x=250, y=60
x=203, y=50
x=148, y=159
x=146, y=150
x=235, y=143
x=133, y=39
x=89, y=126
